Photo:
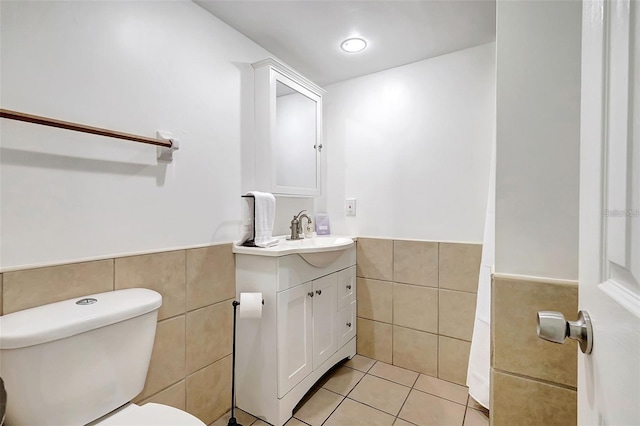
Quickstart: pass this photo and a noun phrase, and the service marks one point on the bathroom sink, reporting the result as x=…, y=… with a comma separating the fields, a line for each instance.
x=317, y=251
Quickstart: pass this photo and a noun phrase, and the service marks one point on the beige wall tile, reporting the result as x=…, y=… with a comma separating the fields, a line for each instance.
x=415, y=307
x=457, y=311
x=516, y=345
x=375, y=299
x=209, y=335
x=35, y=287
x=375, y=259
x=162, y=272
x=209, y=391
x=174, y=396
x=453, y=359
x=211, y=275
x=167, y=360
x=1, y=294
x=415, y=262
x=459, y=266
x=524, y=402
x=375, y=340
x=415, y=350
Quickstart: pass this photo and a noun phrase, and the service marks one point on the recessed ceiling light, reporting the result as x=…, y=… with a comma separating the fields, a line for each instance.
x=353, y=45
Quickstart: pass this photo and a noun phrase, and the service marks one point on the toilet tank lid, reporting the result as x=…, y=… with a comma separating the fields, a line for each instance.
x=58, y=320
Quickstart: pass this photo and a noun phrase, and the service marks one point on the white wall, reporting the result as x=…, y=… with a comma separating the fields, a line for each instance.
x=538, y=112
x=135, y=67
x=413, y=145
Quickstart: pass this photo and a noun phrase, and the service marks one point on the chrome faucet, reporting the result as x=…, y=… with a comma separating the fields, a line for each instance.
x=296, y=225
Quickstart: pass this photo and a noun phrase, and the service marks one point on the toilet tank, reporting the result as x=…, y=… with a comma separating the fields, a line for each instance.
x=71, y=362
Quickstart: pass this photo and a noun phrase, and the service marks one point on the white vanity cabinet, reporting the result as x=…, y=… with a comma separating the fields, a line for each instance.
x=288, y=123
x=307, y=326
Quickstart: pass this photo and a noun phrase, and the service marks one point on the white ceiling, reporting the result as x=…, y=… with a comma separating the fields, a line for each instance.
x=306, y=34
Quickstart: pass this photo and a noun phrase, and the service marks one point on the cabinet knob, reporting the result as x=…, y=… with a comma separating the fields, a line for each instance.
x=310, y=294
x=348, y=324
x=318, y=292
x=348, y=286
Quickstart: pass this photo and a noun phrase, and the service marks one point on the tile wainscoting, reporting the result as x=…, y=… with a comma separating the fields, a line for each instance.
x=533, y=382
x=191, y=361
x=416, y=304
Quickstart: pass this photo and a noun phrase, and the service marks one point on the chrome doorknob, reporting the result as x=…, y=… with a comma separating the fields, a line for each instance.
x=552, y=326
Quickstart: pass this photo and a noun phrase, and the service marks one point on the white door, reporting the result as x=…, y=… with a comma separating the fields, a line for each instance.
x=295, y=355
x=325, y=309
x=609, y=378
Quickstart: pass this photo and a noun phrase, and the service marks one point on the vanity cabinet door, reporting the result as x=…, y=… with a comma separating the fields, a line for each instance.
x=325, y=309
x=346, y=324
x=346, y=287
x=295, y=342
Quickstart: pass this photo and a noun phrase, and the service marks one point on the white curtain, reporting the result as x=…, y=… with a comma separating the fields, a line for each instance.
x=479, y=374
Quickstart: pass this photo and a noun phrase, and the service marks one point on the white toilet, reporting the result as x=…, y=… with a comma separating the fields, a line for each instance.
x=81, y=361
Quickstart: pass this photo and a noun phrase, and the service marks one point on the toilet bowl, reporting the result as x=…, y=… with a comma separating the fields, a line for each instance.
x=81, y=362
x=150, y=414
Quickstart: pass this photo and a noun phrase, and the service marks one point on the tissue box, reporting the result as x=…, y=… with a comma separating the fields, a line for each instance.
x=322, y=224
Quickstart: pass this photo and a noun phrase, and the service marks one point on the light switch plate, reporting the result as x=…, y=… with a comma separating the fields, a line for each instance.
x=351, y=207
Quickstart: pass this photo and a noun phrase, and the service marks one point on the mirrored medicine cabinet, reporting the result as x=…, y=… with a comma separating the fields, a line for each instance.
x=288, y=118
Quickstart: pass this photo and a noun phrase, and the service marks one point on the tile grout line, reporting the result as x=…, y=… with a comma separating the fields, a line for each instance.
x=360, y=402
x=438, y=321
x=334, y=410
x=344, y=396
x=363, y=403
x=438, y=396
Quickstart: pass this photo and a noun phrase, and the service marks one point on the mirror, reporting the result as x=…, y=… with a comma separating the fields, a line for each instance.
x=295, y=138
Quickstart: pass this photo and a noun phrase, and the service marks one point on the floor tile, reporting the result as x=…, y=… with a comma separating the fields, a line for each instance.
x=428, y=410
x=294, y=422
x=360, y=362
x=342, y=380
x=318, y=407
x=381, y=394
x=258, y=423
x=400, y=422
x=443, y=389
x=241, y=417
x=395, y=374
x=353, y=413
x=475, y=418
x=476, y=405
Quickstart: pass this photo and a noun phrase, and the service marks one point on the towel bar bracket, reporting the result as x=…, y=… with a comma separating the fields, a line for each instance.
x=165, y=154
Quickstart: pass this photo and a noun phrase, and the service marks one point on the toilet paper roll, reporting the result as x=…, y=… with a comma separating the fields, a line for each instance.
x=250, y=305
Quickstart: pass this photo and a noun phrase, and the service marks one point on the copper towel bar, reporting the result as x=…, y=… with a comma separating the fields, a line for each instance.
x=45, y=121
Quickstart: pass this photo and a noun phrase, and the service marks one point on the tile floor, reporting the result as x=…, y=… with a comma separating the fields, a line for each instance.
x=366, y=392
